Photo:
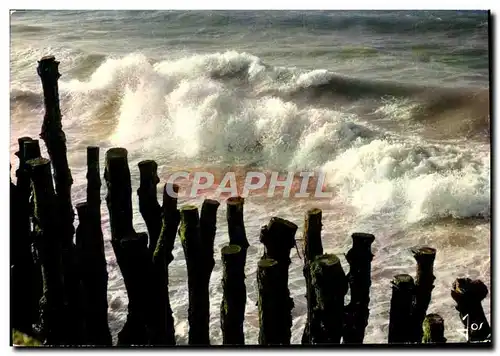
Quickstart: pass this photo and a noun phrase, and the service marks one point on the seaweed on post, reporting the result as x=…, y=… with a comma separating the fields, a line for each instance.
x=433, y=329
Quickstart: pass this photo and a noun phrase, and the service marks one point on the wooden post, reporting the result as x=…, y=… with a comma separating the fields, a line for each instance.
x=270, y=303
x=93, y=270
x=137, y=264
x=94, y=277
x=148, y=202
x=53, y=319
x=357, y=312
x=235, y=223
x=232, y=309
x=312, y=247
x=55, y=140
x=118, y=198
x=402, y=303
x=278, y=238
x=425, y=257
x=433, y=329
x=329, y=283
x=190, y=237
x=468, y=294
x=26, y=279
x=129, y=247
x=165, y=332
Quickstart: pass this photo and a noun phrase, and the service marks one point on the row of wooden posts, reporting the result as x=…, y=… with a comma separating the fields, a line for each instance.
x=59, y=277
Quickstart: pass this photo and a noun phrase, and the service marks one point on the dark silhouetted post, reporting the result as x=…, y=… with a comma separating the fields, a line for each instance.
x=55, y=141
x=278, y=238
x=357, y=312
x=271, y=287
x=433, y=329
x=130, y=247
x=402, y=304
x=148, y=202
x=329, y=283
x=424, y=284
x=190, y=236
x=312, y=247
x=90, y=245
x=161, y=259
x=54, y=321
x=26, y=279
x=468, y=294
x=232, y=307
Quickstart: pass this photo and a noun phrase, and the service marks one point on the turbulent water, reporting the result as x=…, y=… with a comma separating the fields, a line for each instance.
x=392, y=106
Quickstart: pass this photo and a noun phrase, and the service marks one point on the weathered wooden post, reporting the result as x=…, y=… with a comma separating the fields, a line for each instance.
x=329, y=283
x=357, y=312
x=197, y=238
x=232, y=309
x=312, y=247
x=235, y=224
x=271, y=287
x=433, y=329
x=128, y=246
x=468, y=294
x=233, y=280
x=148, y=202
x=90, y=245
x=55, y=141
x=189, y=232
x=278, y=238
x=54, y=321
x=164, y=331
x=26, y=282
x=141, y=313
x=402, y=304
x=425, y=257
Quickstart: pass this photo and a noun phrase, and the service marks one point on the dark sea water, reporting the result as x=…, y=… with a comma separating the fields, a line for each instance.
x=393, y=106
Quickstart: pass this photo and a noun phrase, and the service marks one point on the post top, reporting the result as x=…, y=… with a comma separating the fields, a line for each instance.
x=147, y=163
x=267, y=262
x=403, y=281
x=328, y=259
x=423, y=250
x=48, y=58
x=40, y=161
x=116, y=152
x=235, y=200
x=230, y=249
x=363, y=237
x=314, y=211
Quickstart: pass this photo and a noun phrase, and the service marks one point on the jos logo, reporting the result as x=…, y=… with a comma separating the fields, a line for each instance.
x=471, y=326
